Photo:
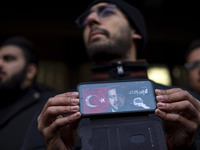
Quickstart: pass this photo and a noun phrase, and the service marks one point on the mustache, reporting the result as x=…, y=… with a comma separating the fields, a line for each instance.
x=105, y=32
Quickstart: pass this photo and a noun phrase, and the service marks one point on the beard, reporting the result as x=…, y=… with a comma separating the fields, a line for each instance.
x=13, y=84
x=110, y=50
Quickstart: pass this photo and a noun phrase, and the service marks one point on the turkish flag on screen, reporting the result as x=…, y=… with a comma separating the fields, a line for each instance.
x=95, y=100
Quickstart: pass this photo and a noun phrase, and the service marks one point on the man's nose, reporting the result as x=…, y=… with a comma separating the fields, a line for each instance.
x=116, y=98
x=93, y=18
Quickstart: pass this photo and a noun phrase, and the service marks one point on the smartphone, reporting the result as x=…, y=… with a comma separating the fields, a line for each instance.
x=100, y=98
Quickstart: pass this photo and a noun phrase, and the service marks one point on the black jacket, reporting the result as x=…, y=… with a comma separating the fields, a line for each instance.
x=17, y=115
x=103, y=72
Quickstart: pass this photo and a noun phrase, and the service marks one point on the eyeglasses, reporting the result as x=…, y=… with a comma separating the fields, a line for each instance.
x=102, y=12
x=192, y=65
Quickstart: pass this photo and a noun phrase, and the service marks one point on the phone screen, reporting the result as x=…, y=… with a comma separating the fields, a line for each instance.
x=116, y=97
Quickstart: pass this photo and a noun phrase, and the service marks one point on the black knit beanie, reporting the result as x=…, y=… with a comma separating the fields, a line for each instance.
x=136, y=20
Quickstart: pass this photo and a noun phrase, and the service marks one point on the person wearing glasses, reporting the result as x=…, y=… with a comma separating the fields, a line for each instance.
x=193, y=65
x=114, y=34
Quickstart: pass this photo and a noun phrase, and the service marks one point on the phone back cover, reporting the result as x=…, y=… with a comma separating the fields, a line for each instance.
x=137, y=133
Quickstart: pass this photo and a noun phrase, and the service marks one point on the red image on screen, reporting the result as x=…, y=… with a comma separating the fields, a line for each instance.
x=95, y=100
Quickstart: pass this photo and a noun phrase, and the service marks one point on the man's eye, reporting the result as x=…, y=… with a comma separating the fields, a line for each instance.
x=9, y=58
x=112, y=96
x=192, y=65
x=106, y=12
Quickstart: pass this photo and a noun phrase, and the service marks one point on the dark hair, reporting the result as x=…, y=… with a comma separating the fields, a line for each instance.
x=26, y=46
x=195, y=44
x=135, y=18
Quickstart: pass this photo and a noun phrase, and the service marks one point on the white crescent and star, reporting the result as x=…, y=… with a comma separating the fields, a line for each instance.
x=87, y=101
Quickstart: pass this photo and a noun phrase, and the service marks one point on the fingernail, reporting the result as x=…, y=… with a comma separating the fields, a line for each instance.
x=157, y=111
x=161, y=105
x=77, y=115
x=159, y=98
x=74, y=93
x=158, y=91
x=74, y=101
x=74, y=107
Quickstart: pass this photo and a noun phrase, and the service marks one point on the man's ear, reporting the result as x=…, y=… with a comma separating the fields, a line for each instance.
x=31, y=71
x=135, y=35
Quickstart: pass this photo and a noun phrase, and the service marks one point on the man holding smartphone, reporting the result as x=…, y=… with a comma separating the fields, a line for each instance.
x=114, y=33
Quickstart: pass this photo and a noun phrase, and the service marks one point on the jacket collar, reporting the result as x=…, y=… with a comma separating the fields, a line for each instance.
x=119, y=70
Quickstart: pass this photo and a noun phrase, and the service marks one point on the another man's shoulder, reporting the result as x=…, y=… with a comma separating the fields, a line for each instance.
x=44, y=92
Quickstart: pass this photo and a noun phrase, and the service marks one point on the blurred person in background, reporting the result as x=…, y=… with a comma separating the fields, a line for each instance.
x=193, y=65
x=20, y=95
